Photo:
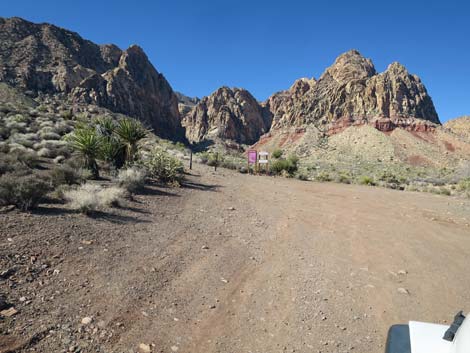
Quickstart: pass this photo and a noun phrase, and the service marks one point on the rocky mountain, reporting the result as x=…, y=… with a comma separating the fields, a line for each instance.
x=42, y=58
x=351, y=92
x=227, y=114
x=185, y=103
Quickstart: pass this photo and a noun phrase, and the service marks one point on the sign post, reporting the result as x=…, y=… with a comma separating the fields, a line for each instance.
x=263, y=160
x=252, y=158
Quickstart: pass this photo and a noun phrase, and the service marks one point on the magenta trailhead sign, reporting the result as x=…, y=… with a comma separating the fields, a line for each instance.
x=252, y=156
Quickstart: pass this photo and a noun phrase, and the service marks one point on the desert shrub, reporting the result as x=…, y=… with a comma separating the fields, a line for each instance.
x=391, y=178
x=67, y=114
x=85, y=199
x=65, y=175
x=4, y=147
x=112, y=196
x=24, y=192
x=287, y=166
x=302, y=176
x=277, y=153
x=89, y=198
x=49, y=135
x=132, y=179
x=215, y=159
x=343, y=178
x=162, y=166
x=464, y=185
x=229, y=164
x=323, y=176
x=204, y=157
x=366, y=180
x=28, y=159
x=46, y=152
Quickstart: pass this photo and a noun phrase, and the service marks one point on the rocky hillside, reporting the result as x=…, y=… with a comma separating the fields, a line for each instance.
x=42, y=58
x=227, y=114
x=460, y=126
x=351, y=92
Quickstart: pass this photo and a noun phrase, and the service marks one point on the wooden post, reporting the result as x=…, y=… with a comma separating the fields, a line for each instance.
x=191, y=160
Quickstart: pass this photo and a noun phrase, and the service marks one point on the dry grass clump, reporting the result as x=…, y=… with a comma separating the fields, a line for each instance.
x=132, y=179
x=89, y=198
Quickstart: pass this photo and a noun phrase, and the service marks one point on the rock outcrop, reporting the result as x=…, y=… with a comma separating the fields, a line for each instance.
x=48, y=59
x=227, y=114
x=351, y=92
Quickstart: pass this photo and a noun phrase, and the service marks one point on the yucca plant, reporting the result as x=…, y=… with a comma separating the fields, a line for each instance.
x=105, y=126
x=113, y=151
x=130, y=132
x=87, y=143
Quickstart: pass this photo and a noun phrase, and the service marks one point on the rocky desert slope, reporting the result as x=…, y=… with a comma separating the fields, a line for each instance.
x=43, y=58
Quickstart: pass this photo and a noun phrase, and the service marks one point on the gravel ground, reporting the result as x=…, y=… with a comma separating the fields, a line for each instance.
x=233, y=263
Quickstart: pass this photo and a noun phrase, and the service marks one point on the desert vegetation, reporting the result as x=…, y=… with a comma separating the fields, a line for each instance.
x=89, y=159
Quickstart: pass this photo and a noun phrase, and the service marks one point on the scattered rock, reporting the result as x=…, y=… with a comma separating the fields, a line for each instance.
x=87, y=320
x=174, y=348
x=205, y=247
x=9, y=312
x=145, y=348
x=403, y=291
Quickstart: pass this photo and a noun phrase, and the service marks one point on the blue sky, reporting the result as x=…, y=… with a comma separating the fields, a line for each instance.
x=264, y=46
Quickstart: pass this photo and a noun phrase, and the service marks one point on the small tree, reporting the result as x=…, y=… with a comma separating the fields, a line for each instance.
x=130, y=132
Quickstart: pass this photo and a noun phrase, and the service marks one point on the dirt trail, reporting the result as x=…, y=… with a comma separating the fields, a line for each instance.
x=239, y=263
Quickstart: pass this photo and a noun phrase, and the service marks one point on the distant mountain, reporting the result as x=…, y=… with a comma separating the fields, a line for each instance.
x=43, y=58
x=227, y=114
x=351, y=92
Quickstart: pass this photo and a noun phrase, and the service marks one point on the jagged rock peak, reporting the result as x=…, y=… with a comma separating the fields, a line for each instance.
x=351, y=92
x=227, y=114
x=350, y=66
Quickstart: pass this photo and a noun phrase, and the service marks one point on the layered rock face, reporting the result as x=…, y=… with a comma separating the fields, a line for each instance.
x=45, y=58
x=227, y=114
x=351, y=92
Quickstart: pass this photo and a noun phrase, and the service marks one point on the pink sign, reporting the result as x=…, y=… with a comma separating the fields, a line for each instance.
x=252, y=156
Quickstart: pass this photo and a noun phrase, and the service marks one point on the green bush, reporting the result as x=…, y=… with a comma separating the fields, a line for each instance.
x=289, y=166
x=160, y=165
x=277, y=153
x=343, y=178
x=215, y=159
x=464, y=185
x=24, y=192
x=366, y=180
x=323, y=176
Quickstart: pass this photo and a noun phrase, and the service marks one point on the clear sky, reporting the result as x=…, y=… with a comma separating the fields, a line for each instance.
x=264, y=46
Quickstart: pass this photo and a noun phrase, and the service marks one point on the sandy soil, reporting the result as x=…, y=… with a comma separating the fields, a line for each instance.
x=234, y=263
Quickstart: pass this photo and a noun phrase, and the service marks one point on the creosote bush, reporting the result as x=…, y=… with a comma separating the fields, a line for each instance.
x=162, y=166
x=277, y=153
x=24, y=192
x=285, y=166
x=366, y=180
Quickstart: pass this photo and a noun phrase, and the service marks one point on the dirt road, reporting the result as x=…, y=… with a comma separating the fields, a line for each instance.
x=235, y=263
